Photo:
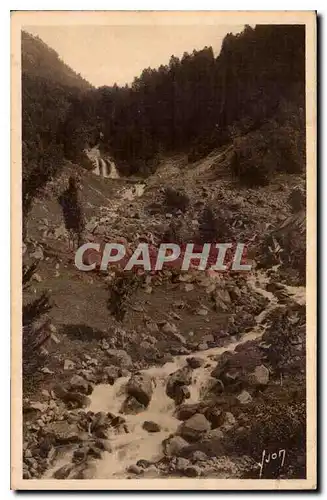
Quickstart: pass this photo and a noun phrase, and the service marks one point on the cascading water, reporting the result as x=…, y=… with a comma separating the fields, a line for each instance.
x=128, y=448
x=138, y=443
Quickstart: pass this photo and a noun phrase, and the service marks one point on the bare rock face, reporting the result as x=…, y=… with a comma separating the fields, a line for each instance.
x=140, y=386
x=194, y=428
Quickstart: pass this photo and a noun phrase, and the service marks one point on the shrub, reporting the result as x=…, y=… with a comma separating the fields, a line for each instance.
x=278, y=146
x=214, y=228
x=176, y=200
x=73, y=210
x=123, y=286
x=35, y=327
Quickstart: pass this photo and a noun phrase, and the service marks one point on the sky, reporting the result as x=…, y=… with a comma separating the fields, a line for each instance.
x=105, y=55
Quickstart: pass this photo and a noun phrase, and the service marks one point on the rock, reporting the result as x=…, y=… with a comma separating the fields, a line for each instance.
x=144, y=464
x=174, y=445
x=188, y=287
x=203, y=346
x=63, y=472
x=103, y=444
x=150, y=426
x=55, y=338
x=181, y=464
x=36, y=405
x=152, y=327
x=182, y=392
x=79, y=384
x=131, y=406
x=195, y=362
x=179, y=337
x=68, y=364
x=221, y=299
x=186, y=411
x=260, y=376
x=84, y=471
x=194, y=428
x=192, y=471
x=235, y=293
x=111, y=373
x=100, y=424
x=229, y=422
x=244, y=398
x=37, y=277
x=214, y=434
x=74, y=399
x=119, y=357
x=140, y=385
x=80, y=455
x=215, y=416
x=37, y=254
x=151, y=472
x=104, y=344
x=223, y=363
x=181, y=377
x=202, y=311
x=208, y=339
x=199, y=456
x=134, y=469
x=63, y=432
x=169, y=328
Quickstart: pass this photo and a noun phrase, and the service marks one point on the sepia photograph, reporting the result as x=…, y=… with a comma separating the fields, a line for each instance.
x=163, y=250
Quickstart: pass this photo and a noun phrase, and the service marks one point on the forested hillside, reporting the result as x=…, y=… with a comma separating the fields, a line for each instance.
x=49, y=87
x=199, y=102
x=251, y=96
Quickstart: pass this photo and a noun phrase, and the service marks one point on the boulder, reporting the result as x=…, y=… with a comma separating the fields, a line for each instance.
x=215, y=416
x=173, y=446
x=134, y=469
x=181, y=377
x=194, y=428
x=260, y=376
x=73, y=399
x=181, y=464
x=194, y=362
x=131, y=406
x=79, y=384
x=63, y=432
x=244, y=398
x=186, y=411
x=119, y=357
x=229, y=422
x=221, y=299
x=100, y=424
x=140, y=386
x=223, y=363
x=150, y=426
x=199, y=456
x=192, y=471
x=63, y=472
x=111, y=373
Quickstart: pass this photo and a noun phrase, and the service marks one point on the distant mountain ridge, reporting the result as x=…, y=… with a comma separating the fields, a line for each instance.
x=40, y=60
